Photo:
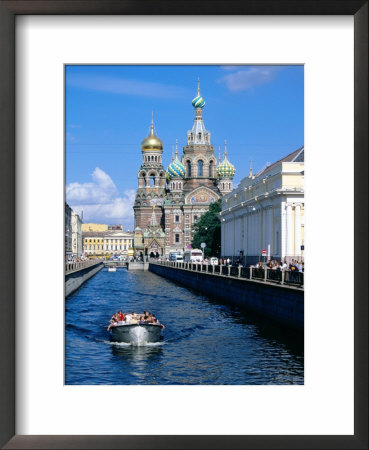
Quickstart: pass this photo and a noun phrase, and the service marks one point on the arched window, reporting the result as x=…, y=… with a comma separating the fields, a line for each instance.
x=211, y=169
x=200, y=166
x=152, y=180
x=188, y=164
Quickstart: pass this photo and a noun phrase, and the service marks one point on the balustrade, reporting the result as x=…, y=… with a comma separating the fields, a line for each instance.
x=292, y=278
x=71, y=267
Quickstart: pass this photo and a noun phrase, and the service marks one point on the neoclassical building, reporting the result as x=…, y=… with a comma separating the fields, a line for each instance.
x=266, y=212
x=107, y=243
x=169, y=202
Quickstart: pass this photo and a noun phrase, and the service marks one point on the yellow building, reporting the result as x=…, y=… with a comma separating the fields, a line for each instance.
x=264, y=215
x=98, y=244
x=94, y=227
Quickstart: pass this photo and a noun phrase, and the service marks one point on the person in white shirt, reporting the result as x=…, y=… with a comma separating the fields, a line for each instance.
x=128, y=318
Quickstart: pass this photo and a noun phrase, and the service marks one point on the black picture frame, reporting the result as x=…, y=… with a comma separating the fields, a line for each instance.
x=8, y=12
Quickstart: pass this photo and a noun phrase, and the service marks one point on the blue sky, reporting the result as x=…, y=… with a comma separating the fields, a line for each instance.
x=259, y=110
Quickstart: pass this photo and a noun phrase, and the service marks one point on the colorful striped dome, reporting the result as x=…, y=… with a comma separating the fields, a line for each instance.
x=226, y=169
x=176, y=169
x=198, y=102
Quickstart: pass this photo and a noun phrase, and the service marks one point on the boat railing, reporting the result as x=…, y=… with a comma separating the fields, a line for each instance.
x=263, y=274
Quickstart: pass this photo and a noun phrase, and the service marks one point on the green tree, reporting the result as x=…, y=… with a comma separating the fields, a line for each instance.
x=207, y=230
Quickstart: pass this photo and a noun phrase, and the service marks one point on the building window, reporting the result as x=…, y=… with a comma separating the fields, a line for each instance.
x=200, y=166
x=195, y=219
x=177, y=238
x=211, y=169
x=188, y=164
x=177, y=219
x=152, y=180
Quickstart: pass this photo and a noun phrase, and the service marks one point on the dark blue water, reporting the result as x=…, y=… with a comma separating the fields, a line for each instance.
x=204, y=342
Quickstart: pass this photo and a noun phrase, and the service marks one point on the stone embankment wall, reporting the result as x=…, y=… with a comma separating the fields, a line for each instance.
x=284, y=304
x=75, y=278
x=132, y=265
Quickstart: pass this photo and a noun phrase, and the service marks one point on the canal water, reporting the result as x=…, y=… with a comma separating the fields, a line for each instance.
x=204, y=342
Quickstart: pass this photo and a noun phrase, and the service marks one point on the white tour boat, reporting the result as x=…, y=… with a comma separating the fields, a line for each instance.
x=136, y=333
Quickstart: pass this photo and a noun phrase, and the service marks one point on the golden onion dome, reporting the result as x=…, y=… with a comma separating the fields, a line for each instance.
x=152, y=142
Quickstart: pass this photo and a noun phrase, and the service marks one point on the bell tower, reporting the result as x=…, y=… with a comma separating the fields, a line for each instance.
x=225, y=172
x=151, y=181
x=198, y=155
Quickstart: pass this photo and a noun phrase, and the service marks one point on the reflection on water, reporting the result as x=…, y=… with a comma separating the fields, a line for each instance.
x=136, y=353
x=205, y=342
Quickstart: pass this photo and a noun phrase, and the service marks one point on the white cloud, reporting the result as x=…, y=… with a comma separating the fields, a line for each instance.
x=248, y=78
x=100, y=200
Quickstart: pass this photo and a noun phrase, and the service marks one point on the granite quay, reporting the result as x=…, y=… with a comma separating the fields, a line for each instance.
x=278, y=295
x=79, y=272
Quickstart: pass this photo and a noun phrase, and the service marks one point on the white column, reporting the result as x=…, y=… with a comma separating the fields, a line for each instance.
x=298, y=230
x=259, y=232
x=269, y=240
x=289, y=230
x=252, y=233
x=234, y=235
x=221, y=235
x=245, y=231
x=255, y=232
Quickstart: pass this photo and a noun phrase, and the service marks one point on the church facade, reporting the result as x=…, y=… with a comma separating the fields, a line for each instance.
x=169, y=202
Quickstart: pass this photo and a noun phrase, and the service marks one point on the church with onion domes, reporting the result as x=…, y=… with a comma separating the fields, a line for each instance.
x=169, y=202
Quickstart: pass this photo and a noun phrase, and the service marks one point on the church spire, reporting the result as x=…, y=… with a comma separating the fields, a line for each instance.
x=152, y=123
x=198, y=134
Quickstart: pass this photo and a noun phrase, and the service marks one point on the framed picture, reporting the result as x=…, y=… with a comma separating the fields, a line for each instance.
x=39, y=358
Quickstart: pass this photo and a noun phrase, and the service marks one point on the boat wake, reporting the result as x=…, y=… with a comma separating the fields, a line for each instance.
x=130, y=344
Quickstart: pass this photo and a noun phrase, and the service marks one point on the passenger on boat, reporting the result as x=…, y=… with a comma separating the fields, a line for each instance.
x=113, y=321
x=128, y=318
x=134, y=319
x=121, y=316
x=155, y=320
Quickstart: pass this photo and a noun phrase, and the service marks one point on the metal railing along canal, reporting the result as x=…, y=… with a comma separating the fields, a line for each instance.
x=265, y=274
